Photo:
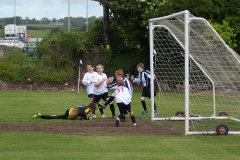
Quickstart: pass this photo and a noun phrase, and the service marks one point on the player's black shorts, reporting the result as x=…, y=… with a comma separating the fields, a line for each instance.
x=146, y=92
x=124, y=109
x=90, y=96
x=97, y=98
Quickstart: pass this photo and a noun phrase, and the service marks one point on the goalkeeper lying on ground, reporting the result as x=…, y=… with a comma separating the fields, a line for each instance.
x=72, y=113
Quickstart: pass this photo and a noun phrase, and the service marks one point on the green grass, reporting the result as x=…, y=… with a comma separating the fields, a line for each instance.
x=39, y=33
x=43, y=30
x=33, y=33
x=17, y=107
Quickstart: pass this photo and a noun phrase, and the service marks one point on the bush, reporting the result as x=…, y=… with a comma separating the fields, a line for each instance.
x=53, y=76
x=12, y=72
x=18, y=67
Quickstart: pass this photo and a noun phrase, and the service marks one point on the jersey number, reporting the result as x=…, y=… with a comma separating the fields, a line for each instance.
x=120, y=89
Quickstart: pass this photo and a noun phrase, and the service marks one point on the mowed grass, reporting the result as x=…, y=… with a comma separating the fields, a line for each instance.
x=33, y=33
x=17, y=108
x=39, y=33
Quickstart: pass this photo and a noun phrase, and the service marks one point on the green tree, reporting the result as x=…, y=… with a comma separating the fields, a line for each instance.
x=226, y=32
x=60, y=50
x=219, y=12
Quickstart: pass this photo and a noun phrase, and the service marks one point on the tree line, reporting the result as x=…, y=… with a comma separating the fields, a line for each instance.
x=132, y=17
x=75, y=22
x=125, y=26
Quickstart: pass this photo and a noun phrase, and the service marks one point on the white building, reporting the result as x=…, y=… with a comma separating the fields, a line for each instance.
x=13, y=31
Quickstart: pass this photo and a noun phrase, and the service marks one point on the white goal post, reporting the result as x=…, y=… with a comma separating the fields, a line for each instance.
x=198, y=75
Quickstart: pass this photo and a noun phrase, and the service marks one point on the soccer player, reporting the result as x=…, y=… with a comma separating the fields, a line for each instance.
x=72, y=113
x=100, y=90
x=88, y=81
x=123, y=100
x=119, y=74
x=144, y=76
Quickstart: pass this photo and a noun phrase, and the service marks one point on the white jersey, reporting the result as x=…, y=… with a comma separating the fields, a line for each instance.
x=102, y=88
x=88, y=81
x=122, y=95
x=127, y=84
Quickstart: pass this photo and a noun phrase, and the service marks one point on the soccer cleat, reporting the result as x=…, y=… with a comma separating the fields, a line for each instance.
x=36, y=115
x=101, y=106
x=144, y=112
x=155, y=113
x=134, y=124
x=103, y=115
x=115, y=117
x=117, y=122
x=94, y=116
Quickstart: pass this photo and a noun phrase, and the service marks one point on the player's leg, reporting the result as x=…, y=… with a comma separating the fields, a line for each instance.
x=64, y=116
x=109, y=100
x=96, y=99
x=91, y=97
x=112, y=108
x=128, y=108
x=123, y=112
x=144, y=94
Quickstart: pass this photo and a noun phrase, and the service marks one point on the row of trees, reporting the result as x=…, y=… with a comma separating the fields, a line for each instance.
x=125, y=28
x=75, y=21
x=131, y=17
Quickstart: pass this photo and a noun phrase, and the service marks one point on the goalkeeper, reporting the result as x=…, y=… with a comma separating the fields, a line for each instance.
x=72, y=113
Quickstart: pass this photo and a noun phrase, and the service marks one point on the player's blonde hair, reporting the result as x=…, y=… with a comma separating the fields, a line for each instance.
x=120, y=82
x=119, y=73
x=100, y=65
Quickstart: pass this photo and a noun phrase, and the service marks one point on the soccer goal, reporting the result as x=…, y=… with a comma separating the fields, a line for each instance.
x=198, y=75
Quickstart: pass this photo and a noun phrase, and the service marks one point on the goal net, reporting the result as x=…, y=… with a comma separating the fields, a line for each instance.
x=198, y=76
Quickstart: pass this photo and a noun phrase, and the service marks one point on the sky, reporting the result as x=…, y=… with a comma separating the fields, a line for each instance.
x=50, y=8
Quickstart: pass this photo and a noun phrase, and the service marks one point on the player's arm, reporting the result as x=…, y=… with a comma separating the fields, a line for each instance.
x=112, y=86
x=128, y=85
x=98, y=83
x=85, y=81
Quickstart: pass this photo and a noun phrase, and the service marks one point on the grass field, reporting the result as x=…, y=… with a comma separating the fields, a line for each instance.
x=33, y=33
x=43, y=30
x=39, y=33
x=17, y=107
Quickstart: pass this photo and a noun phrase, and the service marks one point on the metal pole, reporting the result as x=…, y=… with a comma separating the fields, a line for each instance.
x=14, y=22
x=186, y=40
x=151, y=68
x=87, y=18
x=80, y=64
x=68, y=15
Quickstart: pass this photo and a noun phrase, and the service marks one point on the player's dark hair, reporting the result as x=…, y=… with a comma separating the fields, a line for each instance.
x=89, y=64
x=92, y=106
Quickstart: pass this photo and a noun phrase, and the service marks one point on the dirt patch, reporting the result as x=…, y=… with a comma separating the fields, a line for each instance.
x=102, y=127
x=97, y=126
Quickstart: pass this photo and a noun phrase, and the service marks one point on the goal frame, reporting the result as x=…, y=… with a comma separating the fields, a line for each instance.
x=187, y=57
